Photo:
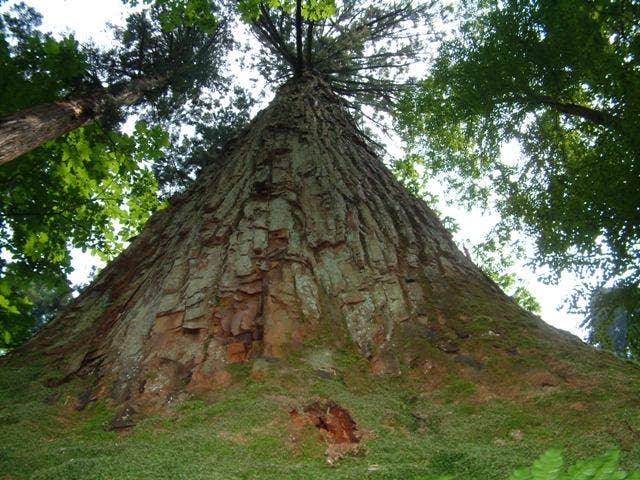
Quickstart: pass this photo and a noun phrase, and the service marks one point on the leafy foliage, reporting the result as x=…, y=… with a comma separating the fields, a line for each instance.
x=549, y=466
x=174, y=14
x=563, y=80
x=89, y=190
x=311, y=9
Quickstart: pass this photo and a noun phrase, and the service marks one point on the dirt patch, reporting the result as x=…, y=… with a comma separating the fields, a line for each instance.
x=335, y=425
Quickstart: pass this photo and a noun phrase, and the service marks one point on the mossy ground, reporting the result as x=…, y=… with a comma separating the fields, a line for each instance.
x=245, y=432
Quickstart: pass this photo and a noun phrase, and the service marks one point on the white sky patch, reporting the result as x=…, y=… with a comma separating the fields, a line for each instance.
x=83, y=264
x=89, y=20
x=86, y=19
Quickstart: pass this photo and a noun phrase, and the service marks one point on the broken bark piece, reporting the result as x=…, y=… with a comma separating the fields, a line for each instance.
x=335, y=424
x=237, y=352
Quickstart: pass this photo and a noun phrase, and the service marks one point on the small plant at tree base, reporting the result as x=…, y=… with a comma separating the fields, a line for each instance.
x=550, y=466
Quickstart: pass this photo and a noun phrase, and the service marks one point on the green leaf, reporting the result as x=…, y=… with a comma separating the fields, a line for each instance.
x=6, y=305
x=548, y=466
x=521, y=474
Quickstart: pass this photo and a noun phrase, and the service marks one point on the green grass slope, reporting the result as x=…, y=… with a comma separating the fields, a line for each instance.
x=410, y=430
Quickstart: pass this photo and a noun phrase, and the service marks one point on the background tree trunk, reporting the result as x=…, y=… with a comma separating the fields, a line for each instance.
x=26, y=130
x=301, y=236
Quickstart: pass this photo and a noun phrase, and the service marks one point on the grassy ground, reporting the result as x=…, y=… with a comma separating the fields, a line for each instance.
x=245, y=431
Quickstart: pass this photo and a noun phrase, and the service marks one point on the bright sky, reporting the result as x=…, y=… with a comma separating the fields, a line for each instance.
x=89, y=19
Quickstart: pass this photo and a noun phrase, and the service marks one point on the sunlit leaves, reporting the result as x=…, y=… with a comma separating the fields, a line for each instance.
x=89, y=190
x=34, y=68
x=550, y=466
x=405, y=170
x=318, y=9
x=183, y=13
x=311, y=9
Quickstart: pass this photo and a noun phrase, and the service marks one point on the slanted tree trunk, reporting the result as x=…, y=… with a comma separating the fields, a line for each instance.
x=300, y=237
x=26, y=130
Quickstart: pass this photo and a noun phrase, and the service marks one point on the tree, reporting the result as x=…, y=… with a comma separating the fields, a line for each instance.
x=23, y=131
x=560, y=78
x=92, y=188
x=297, y=235
x=149, y=62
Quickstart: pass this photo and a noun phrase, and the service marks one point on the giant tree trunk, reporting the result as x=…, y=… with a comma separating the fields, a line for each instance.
x=300, y=236
x=26, y=130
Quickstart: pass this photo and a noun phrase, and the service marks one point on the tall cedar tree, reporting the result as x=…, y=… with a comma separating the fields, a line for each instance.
x=298, y=238
x=162, y=67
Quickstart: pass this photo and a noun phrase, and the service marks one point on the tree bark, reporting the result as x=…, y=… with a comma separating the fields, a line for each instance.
x=301, y=238
x=591, y=115
x=26, y=130
x=299, y=52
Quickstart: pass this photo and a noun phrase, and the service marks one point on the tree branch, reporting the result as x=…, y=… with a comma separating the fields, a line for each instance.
x=586, y=113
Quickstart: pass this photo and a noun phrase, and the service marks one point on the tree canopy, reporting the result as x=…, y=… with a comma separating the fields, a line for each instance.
x=362, y=49
x=563, y=80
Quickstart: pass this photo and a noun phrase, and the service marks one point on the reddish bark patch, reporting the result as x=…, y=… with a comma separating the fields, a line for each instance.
x=333, y=421
x=237, y=352
x=237, y=322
